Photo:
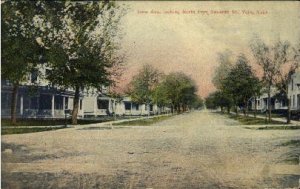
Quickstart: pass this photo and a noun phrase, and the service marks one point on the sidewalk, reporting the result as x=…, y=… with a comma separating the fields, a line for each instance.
x=281, y=119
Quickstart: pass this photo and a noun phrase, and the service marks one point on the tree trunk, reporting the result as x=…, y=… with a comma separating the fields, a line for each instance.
x=288, y=116
x=228, y=109
x=236, y=110
x=255, y=107
x=221, y=109
x=14, y=101
x=75, y=106
x=269, y=105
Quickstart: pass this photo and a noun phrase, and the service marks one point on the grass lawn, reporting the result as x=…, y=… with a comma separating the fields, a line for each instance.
x=252, y=121
x=8, y=131
x=50, y=122
x=143, y=122
x=278, y=127
x=42, y=122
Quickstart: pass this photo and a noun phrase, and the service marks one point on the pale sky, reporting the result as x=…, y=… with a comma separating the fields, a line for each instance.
x=190, y=42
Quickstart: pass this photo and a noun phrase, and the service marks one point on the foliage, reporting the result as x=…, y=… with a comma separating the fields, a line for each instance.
x=142, y=86
x=218, y=99
x=221, y=72
x=177, y=90
x=241, y=83
x=20, y=52
x=276, y=66
x=83, y=49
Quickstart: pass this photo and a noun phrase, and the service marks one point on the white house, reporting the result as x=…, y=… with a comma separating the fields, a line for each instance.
x=294, y=91
x=37, y=98
x=262, y=101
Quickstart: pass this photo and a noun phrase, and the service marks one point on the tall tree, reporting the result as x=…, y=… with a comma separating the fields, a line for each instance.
x=223, y=69
x=20, y=49
x=241, y=83
x=142, y=86
x=221, y=72
x=290, y=63
x=271, y=60
x=83, y=48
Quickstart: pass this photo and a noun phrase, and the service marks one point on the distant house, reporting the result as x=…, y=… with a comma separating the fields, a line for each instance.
x=262, y=101
x=97, y=104
x=294, y=91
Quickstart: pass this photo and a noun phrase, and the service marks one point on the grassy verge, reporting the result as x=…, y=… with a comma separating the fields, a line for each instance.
x=278, y=127
x=252, y=121
x=143, y=122
x=8, y=131
x=50, y=122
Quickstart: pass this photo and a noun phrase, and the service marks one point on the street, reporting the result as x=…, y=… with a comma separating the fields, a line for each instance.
x=200, y=149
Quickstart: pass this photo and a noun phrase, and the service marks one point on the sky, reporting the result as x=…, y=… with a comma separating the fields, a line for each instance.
x=187, y=36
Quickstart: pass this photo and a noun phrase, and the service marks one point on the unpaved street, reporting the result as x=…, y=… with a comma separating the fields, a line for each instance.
x=195, y=150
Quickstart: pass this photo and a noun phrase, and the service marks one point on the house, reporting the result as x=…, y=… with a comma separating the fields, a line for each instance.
x=98, y=103
x=262, y=101
x=294, y=91
x=37, y=98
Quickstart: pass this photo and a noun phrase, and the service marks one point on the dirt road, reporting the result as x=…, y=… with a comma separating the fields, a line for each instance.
x=195, y=150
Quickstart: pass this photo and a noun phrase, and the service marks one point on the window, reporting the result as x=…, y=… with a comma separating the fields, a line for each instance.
x=5, y=100
x=127, y=105
x=34, y=76
x=102, y=104
x=58, y=101
x=34, y=103
x=292, y=84
x=293, y=100
x=66, y=102
x=45, y=102
x=80, y=105
x=135, y=106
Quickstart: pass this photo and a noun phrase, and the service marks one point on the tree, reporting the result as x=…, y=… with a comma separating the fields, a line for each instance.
x=221, y=72
x=211, y=102
x=83, y=49
x=141, y=88
x=218, y=99
x=178, y=90
x=290, y=63
x=271, y=60
x=20, y=49
x=198, y=103
x=241, y=83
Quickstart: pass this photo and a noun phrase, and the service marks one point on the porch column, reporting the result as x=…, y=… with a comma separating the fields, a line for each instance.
x=96, y=105
x=110, y=105
x=82, y=106
x=64, y=103
x=21, y=105
x=52, y=105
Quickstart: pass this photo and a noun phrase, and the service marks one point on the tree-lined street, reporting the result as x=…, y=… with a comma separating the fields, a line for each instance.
x=195, y=150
